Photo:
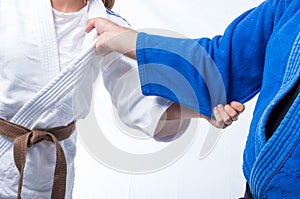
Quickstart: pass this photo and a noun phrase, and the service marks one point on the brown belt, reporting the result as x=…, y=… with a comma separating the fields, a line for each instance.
x=24, y=138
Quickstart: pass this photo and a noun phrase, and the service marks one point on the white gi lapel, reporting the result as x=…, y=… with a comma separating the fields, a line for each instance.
x=48, y=46
x=64, y=82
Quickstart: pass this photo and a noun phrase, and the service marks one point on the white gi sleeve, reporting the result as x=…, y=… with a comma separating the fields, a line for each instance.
x=121, y=79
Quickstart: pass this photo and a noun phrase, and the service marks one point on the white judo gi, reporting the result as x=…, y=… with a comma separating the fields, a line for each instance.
x=37, y=94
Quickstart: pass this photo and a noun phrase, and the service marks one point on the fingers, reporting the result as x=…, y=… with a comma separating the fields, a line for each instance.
x=98, y=23
x=90, y=25
x=224, y=115
x=234, y=109
x=237, y=106
x=218, y=122
x=232, y=113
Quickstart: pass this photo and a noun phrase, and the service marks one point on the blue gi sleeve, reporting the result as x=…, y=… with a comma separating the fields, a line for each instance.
x=201, y=73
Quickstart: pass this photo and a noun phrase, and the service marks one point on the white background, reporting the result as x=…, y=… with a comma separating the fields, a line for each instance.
x=218, y=176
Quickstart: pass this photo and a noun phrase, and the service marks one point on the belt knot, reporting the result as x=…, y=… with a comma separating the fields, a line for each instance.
x=36, y=136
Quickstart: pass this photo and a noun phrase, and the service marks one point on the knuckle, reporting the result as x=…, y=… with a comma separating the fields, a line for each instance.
x=235, y=118
x=227, y=120
x=229, y=110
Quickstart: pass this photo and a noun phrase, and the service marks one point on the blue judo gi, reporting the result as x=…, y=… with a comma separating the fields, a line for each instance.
x=258, y=52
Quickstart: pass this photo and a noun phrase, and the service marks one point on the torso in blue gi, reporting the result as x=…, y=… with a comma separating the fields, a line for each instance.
x=258, y=52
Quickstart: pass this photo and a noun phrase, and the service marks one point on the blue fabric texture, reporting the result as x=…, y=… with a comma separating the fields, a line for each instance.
x=258, y=52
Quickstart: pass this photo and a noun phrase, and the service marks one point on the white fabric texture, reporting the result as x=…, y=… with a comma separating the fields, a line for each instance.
x=36, y=92
x=69, y=28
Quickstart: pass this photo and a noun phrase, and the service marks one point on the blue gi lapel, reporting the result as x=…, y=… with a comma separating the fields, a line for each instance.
x=276, y=151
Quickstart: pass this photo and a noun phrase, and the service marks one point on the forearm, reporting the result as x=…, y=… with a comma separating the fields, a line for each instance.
x=223, y=116
x=176, y=112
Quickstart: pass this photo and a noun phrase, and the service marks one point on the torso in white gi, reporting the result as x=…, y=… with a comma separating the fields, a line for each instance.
x=41, y=87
